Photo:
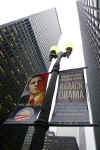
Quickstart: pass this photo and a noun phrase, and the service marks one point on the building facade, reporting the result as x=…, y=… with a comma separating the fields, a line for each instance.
x=89, y=16
x=24, y=51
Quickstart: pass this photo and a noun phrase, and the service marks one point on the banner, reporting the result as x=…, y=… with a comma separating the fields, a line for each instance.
x=71, y=102
x=30, y=101
x=60, y=143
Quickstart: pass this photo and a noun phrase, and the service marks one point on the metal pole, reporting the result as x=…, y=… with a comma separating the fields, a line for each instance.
x=42, y=123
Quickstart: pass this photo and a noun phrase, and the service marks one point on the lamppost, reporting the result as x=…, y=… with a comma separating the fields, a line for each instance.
x=41, y=125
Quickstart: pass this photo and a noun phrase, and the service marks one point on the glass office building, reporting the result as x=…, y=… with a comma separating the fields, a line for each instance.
x=89, y=16
x=24, y=51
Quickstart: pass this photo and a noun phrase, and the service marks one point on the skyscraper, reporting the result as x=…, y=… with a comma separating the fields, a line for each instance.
x=89, y=16
x=24, y=51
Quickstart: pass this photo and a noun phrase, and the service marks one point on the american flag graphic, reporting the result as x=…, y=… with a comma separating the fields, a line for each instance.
x=23, y=115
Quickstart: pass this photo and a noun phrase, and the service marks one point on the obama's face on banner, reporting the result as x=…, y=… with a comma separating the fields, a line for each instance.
x=34, y=85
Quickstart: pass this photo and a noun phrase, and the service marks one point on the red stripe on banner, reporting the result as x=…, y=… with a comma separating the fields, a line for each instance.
x=21, y=117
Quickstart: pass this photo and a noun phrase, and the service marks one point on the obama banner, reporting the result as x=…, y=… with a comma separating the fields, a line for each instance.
x=71, y=101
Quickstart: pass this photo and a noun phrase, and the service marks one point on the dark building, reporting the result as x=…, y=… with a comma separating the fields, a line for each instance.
x=89, y=15
x=24, y=51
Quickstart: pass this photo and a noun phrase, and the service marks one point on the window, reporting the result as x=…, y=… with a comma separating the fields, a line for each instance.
x=2, y=54
x=18, y=82
x=11, y=44
x=1, y=85
x=18, y=70
x=12, y=72
x=2, y=70
x=1, y=38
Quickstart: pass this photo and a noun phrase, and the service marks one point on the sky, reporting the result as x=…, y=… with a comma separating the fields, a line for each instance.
x=68, y=19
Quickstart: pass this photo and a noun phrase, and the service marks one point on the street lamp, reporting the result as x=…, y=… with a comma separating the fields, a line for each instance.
x=41, y=125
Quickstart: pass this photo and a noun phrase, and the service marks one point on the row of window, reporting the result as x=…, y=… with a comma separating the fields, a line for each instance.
x=92, y=25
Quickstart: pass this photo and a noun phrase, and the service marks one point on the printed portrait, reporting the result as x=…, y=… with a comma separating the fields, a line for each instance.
x=35, y=90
